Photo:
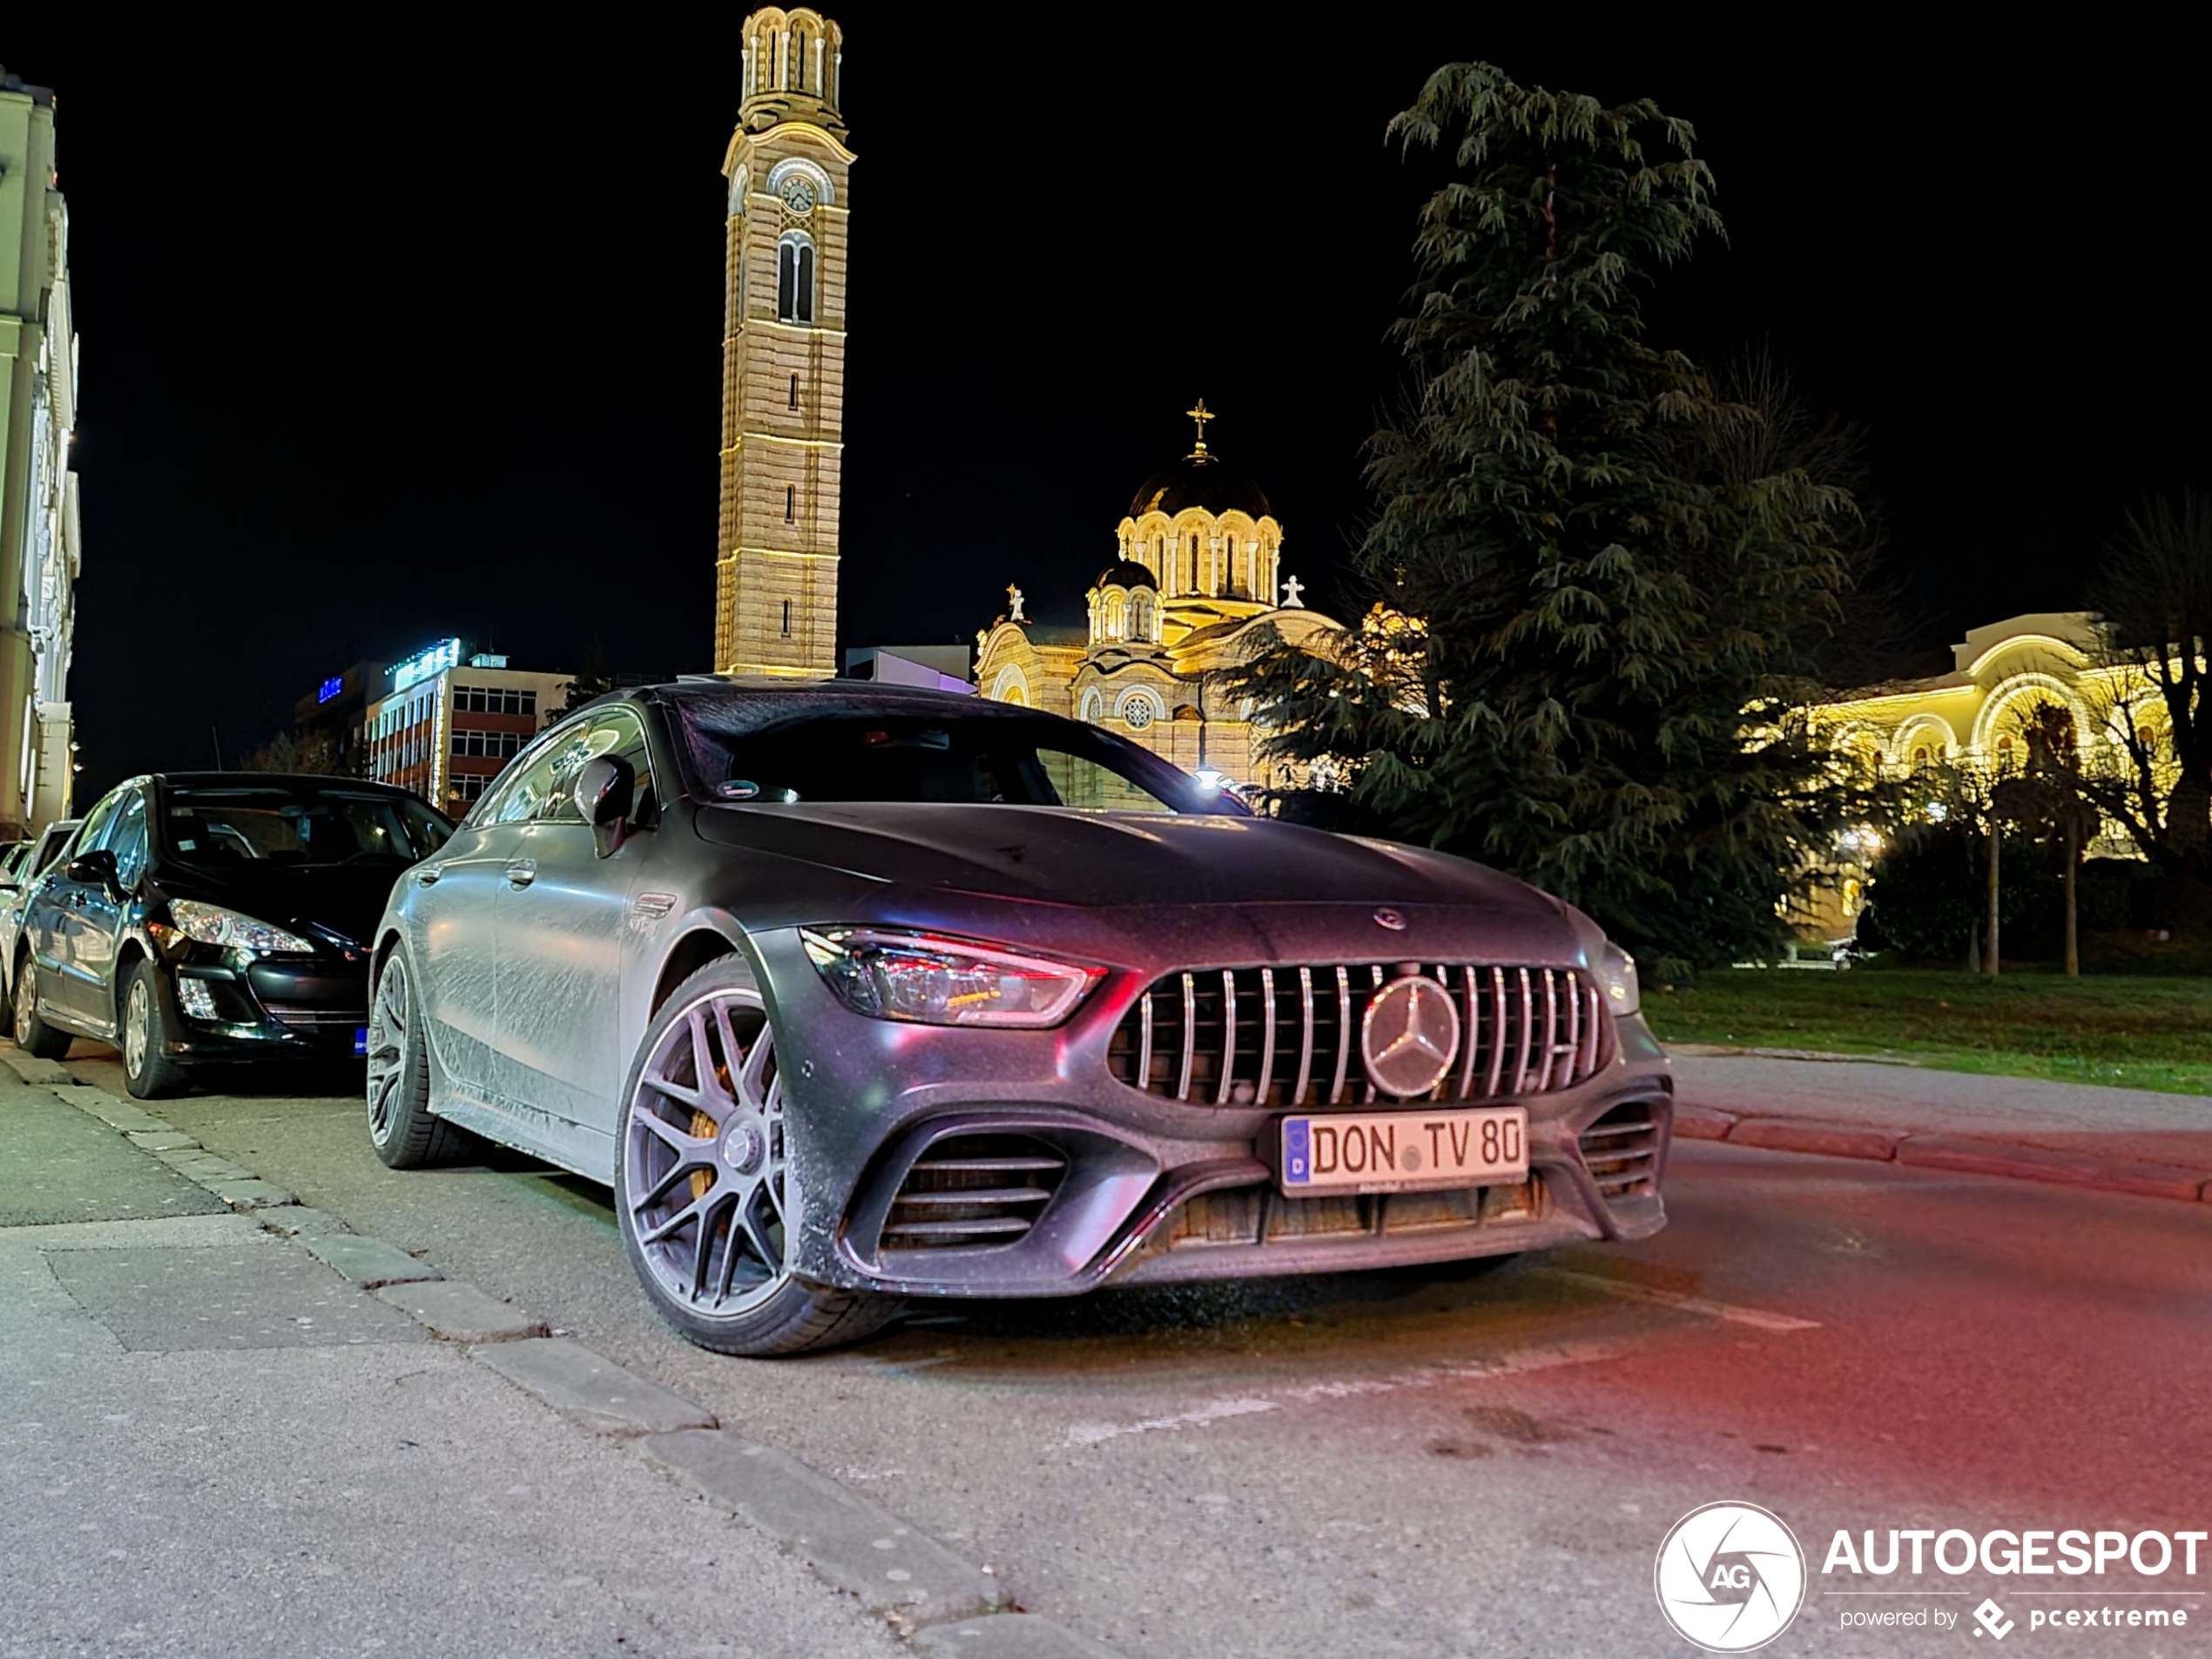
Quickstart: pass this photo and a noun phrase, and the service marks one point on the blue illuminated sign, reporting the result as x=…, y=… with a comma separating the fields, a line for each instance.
x=426, y=664
x=330, y=688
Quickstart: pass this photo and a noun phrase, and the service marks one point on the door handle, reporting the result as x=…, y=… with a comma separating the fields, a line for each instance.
x=521, y=871
x=429, y=878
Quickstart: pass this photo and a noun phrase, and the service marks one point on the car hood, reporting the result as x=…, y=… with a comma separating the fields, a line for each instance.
x=1051, y=855
x=346, y=899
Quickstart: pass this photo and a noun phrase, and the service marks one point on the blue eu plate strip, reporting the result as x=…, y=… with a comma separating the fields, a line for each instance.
x=1297, y=1151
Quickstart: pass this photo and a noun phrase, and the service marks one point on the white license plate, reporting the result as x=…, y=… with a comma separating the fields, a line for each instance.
x=1393, y=1151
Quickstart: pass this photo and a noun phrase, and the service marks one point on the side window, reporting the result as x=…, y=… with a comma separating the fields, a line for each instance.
x=98, y=823
x=127, y=840
x=626, y=735
x=524, y=787
x=612, y=731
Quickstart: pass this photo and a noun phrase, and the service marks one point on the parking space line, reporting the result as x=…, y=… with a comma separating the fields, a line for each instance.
x=1306, y=1394
x=1758, y=1318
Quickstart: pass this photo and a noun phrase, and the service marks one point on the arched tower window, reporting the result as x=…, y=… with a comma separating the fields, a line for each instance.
x=795, y=278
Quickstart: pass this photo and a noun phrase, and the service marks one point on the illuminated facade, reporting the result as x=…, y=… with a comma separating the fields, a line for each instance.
x=783, y=354
x=2003, y=675
x=448, y=726
x=1197, y=569
x=41, y=542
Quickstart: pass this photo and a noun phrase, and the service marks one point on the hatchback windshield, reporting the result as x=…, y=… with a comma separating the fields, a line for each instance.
x=877, y=757
x=261, y=823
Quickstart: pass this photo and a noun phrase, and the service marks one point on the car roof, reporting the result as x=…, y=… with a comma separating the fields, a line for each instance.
x=270, y=781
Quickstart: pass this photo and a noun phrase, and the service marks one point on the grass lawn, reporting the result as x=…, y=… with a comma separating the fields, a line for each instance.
x=2137, y=1031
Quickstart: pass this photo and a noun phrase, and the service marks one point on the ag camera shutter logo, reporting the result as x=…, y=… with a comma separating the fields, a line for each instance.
x=1730, y=1577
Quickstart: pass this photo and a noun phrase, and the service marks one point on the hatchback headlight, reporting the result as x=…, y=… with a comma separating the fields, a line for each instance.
x=211, y=924
x=1616, y=971
x=934, y=981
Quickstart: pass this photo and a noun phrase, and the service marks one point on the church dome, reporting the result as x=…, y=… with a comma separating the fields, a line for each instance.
x=1201, y=480
x=1126, y=573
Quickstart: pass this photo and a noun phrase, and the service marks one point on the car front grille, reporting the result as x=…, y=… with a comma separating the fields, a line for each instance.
x=1290, y=1036
x=1622, y=1151
x=314, y=1018
x=969, y=1191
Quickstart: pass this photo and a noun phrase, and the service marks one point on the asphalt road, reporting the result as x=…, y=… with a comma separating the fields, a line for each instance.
x=1445, y=1464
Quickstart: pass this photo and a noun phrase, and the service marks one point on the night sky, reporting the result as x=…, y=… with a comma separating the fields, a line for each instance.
x=391, y=333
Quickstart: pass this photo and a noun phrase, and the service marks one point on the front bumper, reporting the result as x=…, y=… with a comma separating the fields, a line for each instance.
x=888, y=1120
x=227, y=1006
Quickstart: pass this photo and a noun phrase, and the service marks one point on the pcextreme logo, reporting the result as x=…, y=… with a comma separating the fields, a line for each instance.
x=1730, y=1577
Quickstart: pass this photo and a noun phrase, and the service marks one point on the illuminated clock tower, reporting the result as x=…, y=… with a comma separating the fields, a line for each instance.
x=783, y=354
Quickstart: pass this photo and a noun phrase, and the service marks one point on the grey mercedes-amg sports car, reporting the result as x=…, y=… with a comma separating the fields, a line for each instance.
x=852, y=993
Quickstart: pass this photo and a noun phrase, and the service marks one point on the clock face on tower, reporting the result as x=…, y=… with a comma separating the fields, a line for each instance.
x=798, y=194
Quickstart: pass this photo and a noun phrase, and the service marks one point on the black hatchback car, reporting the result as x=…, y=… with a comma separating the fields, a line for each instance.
x=207, y=918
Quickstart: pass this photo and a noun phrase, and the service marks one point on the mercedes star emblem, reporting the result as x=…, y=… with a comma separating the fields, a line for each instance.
x=1409, y=1035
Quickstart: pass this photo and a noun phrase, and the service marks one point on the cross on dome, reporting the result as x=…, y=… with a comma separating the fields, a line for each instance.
x=1201, y=414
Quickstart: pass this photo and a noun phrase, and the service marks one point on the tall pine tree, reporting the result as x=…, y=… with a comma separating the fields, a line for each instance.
x=1590, y=617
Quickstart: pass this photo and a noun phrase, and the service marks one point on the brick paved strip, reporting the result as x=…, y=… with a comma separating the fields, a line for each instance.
x=368, y=1262
x=1008, y=1635
x=595, y=1391
x=461, y=1312
x=850, y=1542
x=1702, y=1123
x=1830, y=1140
x=2036, y=1163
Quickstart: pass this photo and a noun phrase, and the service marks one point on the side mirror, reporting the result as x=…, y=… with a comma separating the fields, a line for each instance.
x=95, y=869
x=605, y=790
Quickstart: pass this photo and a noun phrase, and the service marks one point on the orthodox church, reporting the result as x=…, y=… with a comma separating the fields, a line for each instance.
x=1196, y=570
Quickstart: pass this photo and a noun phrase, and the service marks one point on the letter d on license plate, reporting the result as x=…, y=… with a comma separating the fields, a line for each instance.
x=1397, y=1151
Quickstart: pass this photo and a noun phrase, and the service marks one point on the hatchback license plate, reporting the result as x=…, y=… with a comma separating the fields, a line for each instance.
x=1397, y=1151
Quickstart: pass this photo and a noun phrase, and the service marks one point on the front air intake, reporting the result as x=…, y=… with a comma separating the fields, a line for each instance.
x=972, y=1192
x=1621, y=1150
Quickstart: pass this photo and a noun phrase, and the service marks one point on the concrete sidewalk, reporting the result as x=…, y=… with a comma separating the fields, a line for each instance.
x=213, y=1443
x=2119, y=1140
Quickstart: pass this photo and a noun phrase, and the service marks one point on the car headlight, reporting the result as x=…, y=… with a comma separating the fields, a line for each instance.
x=211, y=924
x=934, y=981
x=1616, y=971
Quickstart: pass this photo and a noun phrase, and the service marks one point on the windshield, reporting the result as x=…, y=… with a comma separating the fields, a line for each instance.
x=259, y=824
x=974, y=760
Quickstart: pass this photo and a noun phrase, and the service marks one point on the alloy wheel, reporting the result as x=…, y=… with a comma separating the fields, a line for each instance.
x=388, y=1031
x=138, y=1028
x=703, y=1158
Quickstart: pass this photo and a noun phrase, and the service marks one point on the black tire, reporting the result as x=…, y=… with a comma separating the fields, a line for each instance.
x=773, y=1312
x=33, y=1036
x=142, y=1031
x=401, y=1125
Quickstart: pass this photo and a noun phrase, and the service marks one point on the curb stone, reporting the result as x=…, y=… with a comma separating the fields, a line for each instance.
x=594, y=1391
x=2036, y=1163
x=32, y=1070
x=1801, y=1135
x=460, y=1312
x=250, y=1194
x=854, y=1544
x=368, y=1262
x=1965, y=1154
x=293, y=1219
